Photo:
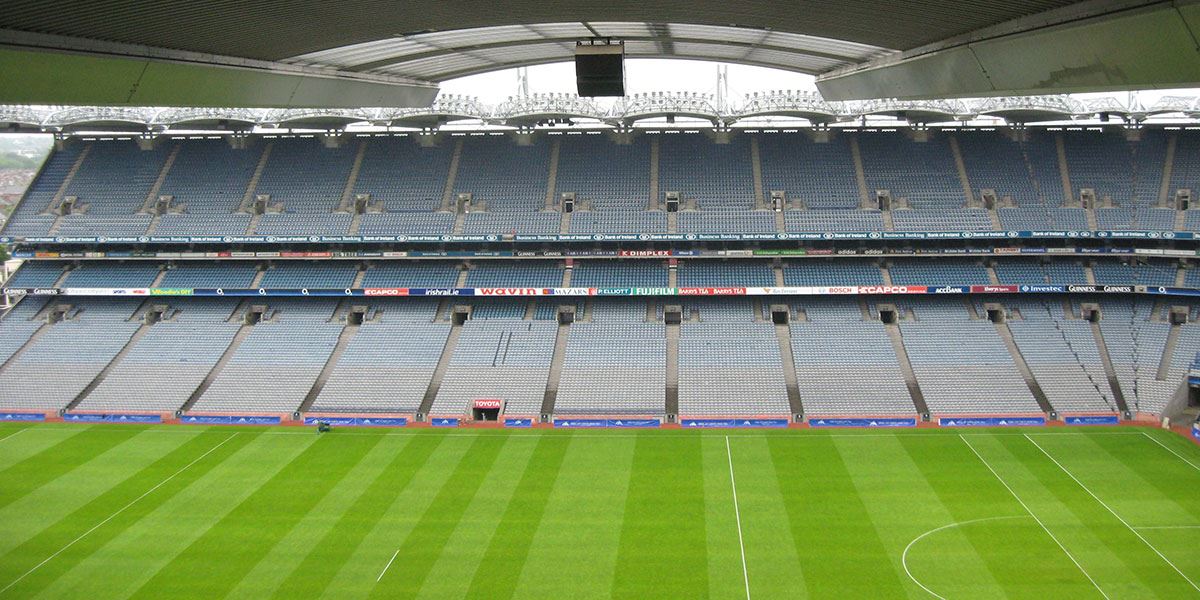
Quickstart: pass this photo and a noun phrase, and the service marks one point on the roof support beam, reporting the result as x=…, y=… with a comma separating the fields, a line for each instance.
x=1113, y=47
x=52, y=70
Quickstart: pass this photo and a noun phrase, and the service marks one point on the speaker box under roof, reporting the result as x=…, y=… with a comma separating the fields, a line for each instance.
x=600, y=69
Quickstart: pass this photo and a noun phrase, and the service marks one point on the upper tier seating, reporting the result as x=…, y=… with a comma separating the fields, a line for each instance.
x=607, y=175
x=307, y=177
x=717, y=176
x=890, y=160
x=993, y=161
x=404, y=176
x=209, y=178
x=818, y=174
x=507, y=176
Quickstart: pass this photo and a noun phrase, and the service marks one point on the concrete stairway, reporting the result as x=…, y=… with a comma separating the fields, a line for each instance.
x=451, y=174
x=238, y=338
x=864, y=194
x=552, y=179
x=1109, y=371
x=756, y=170
x=672, y=388
x=910, y=377
x=961, y=166
x=556, y=368
x=33, y=339
x=343, y=342
x=1164, y=363
x=1023, y=367
x=795, y=403
x=112, y=364
x=66, y=184
x=252, y=185
x=655, y=195
x=439, y=373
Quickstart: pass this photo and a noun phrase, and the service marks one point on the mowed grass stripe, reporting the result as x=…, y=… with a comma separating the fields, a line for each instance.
x=313, y=575
x=841, y=551
x=289, y=551
x=21, y=443
x=58, y=498
x=463, y=553
x=168, y=469
x=496, y=574
x=574, y=552
x=664, y=548
x=358, y=575
x=416, y=556
x=879, y=467
x=1121, y=565
x=121, y=567
x=55, y=461
x=246, y=533
x=1135, y=497
x=19, y=559
x=1014, y=551
x=1151, y=487
x=773, y=565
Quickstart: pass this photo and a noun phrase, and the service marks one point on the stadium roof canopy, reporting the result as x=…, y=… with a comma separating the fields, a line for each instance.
x=316, y=53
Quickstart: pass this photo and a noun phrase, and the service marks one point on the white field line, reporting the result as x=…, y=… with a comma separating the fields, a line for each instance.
x=1035, y=517
x=1168, y=527
x=1114, y=513
x=904, y=555
x=388, y=565
x=737, y=513
x=1168, y=449
x=14, y=434
x=115, y=514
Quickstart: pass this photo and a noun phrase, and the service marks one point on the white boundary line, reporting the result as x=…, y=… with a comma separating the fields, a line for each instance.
x=1168, y=449
x=1114, y=513
x=1168, y=527
x=737, y=513
x=388, y=565
x=1035, y=517
x=904, y=555
x=114, y=515
x=14, y=434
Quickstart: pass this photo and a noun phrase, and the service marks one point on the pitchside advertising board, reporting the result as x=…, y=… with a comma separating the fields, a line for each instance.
x=607, y=423
x=113, y=418
x=733, y=423
x=610, y=237
x=229, y=420
x=358, y=421
x=1092, y=420
x=992, y=421
x=519, y=423
x=868, y=423
x=22, y=417
x=1196, y=431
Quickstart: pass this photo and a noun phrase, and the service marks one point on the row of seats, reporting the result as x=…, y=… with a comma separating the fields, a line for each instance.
x=614, y=361
x=308, y=178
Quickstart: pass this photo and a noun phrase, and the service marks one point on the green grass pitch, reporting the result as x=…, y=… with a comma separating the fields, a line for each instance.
x=108, y=511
